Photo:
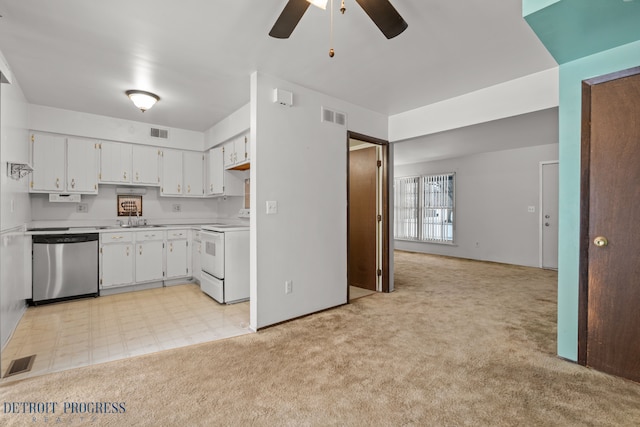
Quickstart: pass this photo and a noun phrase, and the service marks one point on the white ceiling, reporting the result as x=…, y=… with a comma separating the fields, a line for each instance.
x=525, y=130
x=197, y=55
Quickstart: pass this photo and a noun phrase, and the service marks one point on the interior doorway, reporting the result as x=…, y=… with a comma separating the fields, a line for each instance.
x=549, y=214
x=368, y=213
x=609, y=319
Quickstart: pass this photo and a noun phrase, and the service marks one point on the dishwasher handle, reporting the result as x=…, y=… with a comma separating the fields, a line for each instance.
x=65, y=238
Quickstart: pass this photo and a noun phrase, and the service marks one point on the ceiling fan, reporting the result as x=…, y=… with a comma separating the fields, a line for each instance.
x=381, y=12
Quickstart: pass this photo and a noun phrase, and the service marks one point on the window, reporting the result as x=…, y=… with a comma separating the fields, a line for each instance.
x=424, y=208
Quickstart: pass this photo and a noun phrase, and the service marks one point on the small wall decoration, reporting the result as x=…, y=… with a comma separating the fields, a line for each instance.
x=129, y=205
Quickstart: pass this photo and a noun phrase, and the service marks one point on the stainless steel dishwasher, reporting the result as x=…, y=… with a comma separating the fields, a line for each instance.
x=65, y=266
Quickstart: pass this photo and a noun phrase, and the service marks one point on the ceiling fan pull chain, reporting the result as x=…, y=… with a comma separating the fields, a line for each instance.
x=331, y=51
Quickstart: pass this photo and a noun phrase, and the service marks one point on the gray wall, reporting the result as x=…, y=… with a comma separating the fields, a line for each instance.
x=493, y=193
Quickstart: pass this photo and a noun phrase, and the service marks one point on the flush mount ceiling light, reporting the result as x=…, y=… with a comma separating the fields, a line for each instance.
x=142, y=99
x=322, y=4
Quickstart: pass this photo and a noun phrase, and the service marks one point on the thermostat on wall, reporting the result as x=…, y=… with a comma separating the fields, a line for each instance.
x=282, y=97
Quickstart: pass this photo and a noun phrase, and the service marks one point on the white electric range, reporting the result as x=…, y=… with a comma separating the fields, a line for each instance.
x=225, y=262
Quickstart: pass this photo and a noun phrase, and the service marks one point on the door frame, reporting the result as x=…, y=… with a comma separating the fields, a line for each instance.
x=385, y=205
x=541, y=216
x=585, y=163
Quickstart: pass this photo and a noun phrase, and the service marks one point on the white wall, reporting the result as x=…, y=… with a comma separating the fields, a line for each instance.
x=14, y=206
x=535, y=92
x=493, y=192
x=236, y=123
x=301, y=164
x=56, y=120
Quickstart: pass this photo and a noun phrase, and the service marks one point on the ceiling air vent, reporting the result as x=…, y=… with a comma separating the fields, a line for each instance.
x=333, y=116
x=159, y=133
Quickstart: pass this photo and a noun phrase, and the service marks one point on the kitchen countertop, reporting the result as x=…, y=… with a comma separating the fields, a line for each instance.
x=61, y=229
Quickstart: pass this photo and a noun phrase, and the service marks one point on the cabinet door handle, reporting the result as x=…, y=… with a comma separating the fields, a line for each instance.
x=137, y=177
x=127, y=250
x=189, y=188
x=210, y=187
x=116, y=237
x=170, y=247
x=57, y=182
x=140, y=249
x=124, y=175
x=178, y=188
x=73, y=183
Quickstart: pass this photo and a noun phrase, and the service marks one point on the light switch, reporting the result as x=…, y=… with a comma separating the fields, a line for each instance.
x=272, y=207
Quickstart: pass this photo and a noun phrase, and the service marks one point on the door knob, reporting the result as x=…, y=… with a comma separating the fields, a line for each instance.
x=547, y=216
x=600, y=241
x=546, y=224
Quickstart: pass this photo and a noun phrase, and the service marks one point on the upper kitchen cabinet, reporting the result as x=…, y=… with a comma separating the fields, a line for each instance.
x=215, y=172
x=115, y=163
x=49, y=163
x=145, y=162
x=64, y=165
x=193, y=179
x=171, y=182
x=82, y=166
x=222, y=182
x=182, y=173
x=236, y=152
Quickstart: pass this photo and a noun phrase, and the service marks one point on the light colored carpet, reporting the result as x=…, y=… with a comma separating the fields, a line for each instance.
x=458, y=343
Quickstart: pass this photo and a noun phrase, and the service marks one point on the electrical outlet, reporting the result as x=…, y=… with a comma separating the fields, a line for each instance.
x=177, y=207
x=288, y=286
x=82, y=207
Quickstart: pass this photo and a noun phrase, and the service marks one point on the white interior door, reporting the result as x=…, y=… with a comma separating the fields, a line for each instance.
x=549, y=215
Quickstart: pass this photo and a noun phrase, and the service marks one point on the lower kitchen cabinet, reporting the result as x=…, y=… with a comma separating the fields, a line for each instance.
x=132, y=257
x=177, y=253
x=117, y=265
x=149, y=256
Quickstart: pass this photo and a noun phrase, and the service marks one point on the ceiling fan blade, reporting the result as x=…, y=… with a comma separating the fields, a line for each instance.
x=385, y=16
x=289, y=18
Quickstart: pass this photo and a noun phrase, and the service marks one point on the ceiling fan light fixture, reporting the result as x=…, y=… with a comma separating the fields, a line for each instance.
x=142, y=99
x=322, y=4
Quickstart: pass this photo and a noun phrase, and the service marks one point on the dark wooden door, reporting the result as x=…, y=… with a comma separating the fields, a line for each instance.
x=610, y=244
x=363, y=171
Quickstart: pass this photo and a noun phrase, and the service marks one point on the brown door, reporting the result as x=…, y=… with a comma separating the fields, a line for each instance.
x=363, y=170
x=610, y=225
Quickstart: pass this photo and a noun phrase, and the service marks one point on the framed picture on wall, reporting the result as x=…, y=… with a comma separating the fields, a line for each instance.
x=129, y=205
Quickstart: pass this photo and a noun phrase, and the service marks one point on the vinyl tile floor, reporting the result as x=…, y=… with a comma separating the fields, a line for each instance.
x=88, y=331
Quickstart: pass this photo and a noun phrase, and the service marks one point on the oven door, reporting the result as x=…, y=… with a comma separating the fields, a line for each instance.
x=212, y=259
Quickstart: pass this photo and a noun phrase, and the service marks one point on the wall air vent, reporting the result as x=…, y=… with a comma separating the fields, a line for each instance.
x=159, y=133
x=332, y=116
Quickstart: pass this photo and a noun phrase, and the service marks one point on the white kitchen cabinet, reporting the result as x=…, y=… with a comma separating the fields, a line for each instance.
x=115, y=163
x=64, y=165
x=220, y=181
x=215, y=171
x=82, y=166
x=149, y=249
x=236, y=152
x=145, y=169
x=171, y=183
x=116, y=259
x=177, y=254
x=48, y=154
x=193, y=179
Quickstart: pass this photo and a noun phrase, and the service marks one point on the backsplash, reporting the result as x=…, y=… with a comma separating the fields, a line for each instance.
x=102, y=207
